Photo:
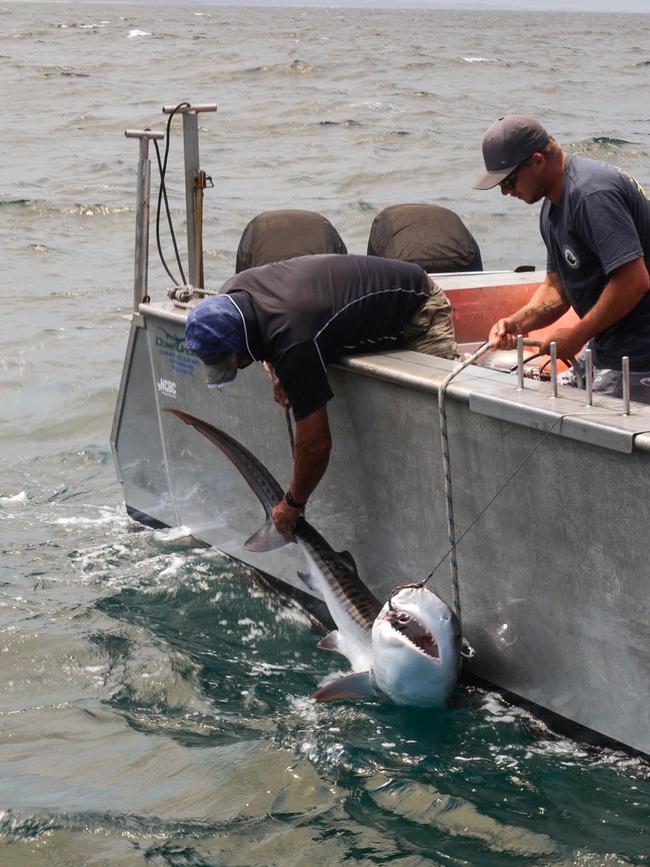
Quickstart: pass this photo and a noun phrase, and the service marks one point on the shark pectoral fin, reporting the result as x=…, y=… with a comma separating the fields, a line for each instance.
x=466, y=650
x=308, y=580
x=267, y=538
x=345, y=688
x=332, y=641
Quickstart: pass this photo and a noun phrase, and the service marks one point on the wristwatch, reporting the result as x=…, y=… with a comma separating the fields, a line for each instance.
x=294, y=503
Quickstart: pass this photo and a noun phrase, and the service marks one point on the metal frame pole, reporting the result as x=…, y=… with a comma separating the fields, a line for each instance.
x=142, y=213
x=194, y=184
x=193, y=198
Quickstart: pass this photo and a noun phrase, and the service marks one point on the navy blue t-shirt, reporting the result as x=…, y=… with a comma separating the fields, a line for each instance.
x=302, y=313
x=601, y=222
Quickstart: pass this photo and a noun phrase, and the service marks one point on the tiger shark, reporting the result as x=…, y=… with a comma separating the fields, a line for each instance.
x=407, y=652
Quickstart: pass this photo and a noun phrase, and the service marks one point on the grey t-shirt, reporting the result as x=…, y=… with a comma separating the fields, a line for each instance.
x=601, y=222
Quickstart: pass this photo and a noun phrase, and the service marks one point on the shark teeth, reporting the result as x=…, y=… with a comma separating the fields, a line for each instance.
x=410, y=628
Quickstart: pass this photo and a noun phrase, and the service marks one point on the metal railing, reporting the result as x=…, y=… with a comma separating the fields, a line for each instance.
x=196, y=181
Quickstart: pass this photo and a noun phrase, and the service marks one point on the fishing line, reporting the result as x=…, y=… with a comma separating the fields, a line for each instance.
x=287, y=413
x=490, y=501
x=457, y=541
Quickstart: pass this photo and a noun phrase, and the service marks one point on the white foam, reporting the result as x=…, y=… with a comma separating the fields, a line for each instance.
x=134, y=34
x=105, y=517
x=172, y=570
x=17, y=498
x=171, y=534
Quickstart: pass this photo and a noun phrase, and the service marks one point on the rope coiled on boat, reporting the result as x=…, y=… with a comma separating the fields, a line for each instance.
x=186, y=296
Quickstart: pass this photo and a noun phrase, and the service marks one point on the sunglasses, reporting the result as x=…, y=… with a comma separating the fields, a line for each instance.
x=510, y=182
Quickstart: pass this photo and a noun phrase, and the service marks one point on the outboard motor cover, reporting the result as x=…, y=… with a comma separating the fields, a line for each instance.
x=276, y=235
x=427, y=235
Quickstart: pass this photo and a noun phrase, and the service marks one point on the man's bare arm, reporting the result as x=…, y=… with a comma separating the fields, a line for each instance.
x=312, y=446
x=547, y=304
x=626, y=287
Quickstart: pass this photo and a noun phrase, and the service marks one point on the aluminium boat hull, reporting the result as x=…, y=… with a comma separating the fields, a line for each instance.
x=554, y=574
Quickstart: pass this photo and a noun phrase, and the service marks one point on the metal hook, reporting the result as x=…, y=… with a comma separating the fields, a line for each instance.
x=416, y=585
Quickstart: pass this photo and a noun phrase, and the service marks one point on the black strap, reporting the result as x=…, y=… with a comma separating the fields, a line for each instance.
x=294, y=503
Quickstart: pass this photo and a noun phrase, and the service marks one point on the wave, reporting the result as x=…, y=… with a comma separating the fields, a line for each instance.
x=598, y=146
x=77, y=209
x=31, y=825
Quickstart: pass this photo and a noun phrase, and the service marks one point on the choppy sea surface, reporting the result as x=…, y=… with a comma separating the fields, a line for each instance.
x=153, y=699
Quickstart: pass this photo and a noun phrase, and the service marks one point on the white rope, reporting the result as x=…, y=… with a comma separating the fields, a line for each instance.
x=185, y=296
x=444, y=439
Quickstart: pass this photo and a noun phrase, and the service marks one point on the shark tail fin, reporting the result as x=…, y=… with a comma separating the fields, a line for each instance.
x=267, y=538
x=345, y=688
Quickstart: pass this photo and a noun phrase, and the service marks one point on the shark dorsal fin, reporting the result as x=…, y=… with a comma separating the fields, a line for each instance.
x=348, y=559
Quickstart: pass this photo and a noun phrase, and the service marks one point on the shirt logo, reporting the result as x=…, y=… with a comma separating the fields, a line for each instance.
x=633, y=181
x=571, y=258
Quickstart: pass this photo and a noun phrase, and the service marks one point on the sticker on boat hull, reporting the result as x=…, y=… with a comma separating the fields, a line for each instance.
x=174, y=349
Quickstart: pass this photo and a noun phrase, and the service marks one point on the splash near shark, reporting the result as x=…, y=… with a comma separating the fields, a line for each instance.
x=406, y=652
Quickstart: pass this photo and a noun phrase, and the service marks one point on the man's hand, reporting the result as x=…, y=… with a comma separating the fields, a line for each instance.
x=569, y=343
x=503, y=334
x=311, y=454
x=545, y=307
x=279, y=394
x=285, y=518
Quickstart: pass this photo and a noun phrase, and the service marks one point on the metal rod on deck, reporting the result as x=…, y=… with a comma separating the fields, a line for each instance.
x=553, y=351
x=589, y=377
x=142, y=212
x=625, y=368
x=194, y=184
x=520, y=361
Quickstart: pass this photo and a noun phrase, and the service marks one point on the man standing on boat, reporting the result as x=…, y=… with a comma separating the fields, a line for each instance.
x=301, y=314
x=595, y=222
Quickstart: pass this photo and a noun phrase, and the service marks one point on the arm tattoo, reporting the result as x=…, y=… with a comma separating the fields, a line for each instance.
x=545, y=307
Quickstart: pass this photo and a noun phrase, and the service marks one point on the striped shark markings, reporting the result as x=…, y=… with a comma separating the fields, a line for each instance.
x=407, y=651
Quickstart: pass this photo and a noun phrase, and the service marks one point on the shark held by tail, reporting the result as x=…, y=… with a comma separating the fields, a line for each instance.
x=407, y=651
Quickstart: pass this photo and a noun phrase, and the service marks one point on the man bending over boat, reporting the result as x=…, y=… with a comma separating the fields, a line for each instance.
x=301, y=314
x=595, y=222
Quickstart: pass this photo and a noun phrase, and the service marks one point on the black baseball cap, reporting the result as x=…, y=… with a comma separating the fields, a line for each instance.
x=508, y=142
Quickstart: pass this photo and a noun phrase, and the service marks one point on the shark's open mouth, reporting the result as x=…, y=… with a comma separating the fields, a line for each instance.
x=412, y=629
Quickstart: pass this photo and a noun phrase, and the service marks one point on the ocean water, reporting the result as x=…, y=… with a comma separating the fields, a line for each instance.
x=153, y=697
